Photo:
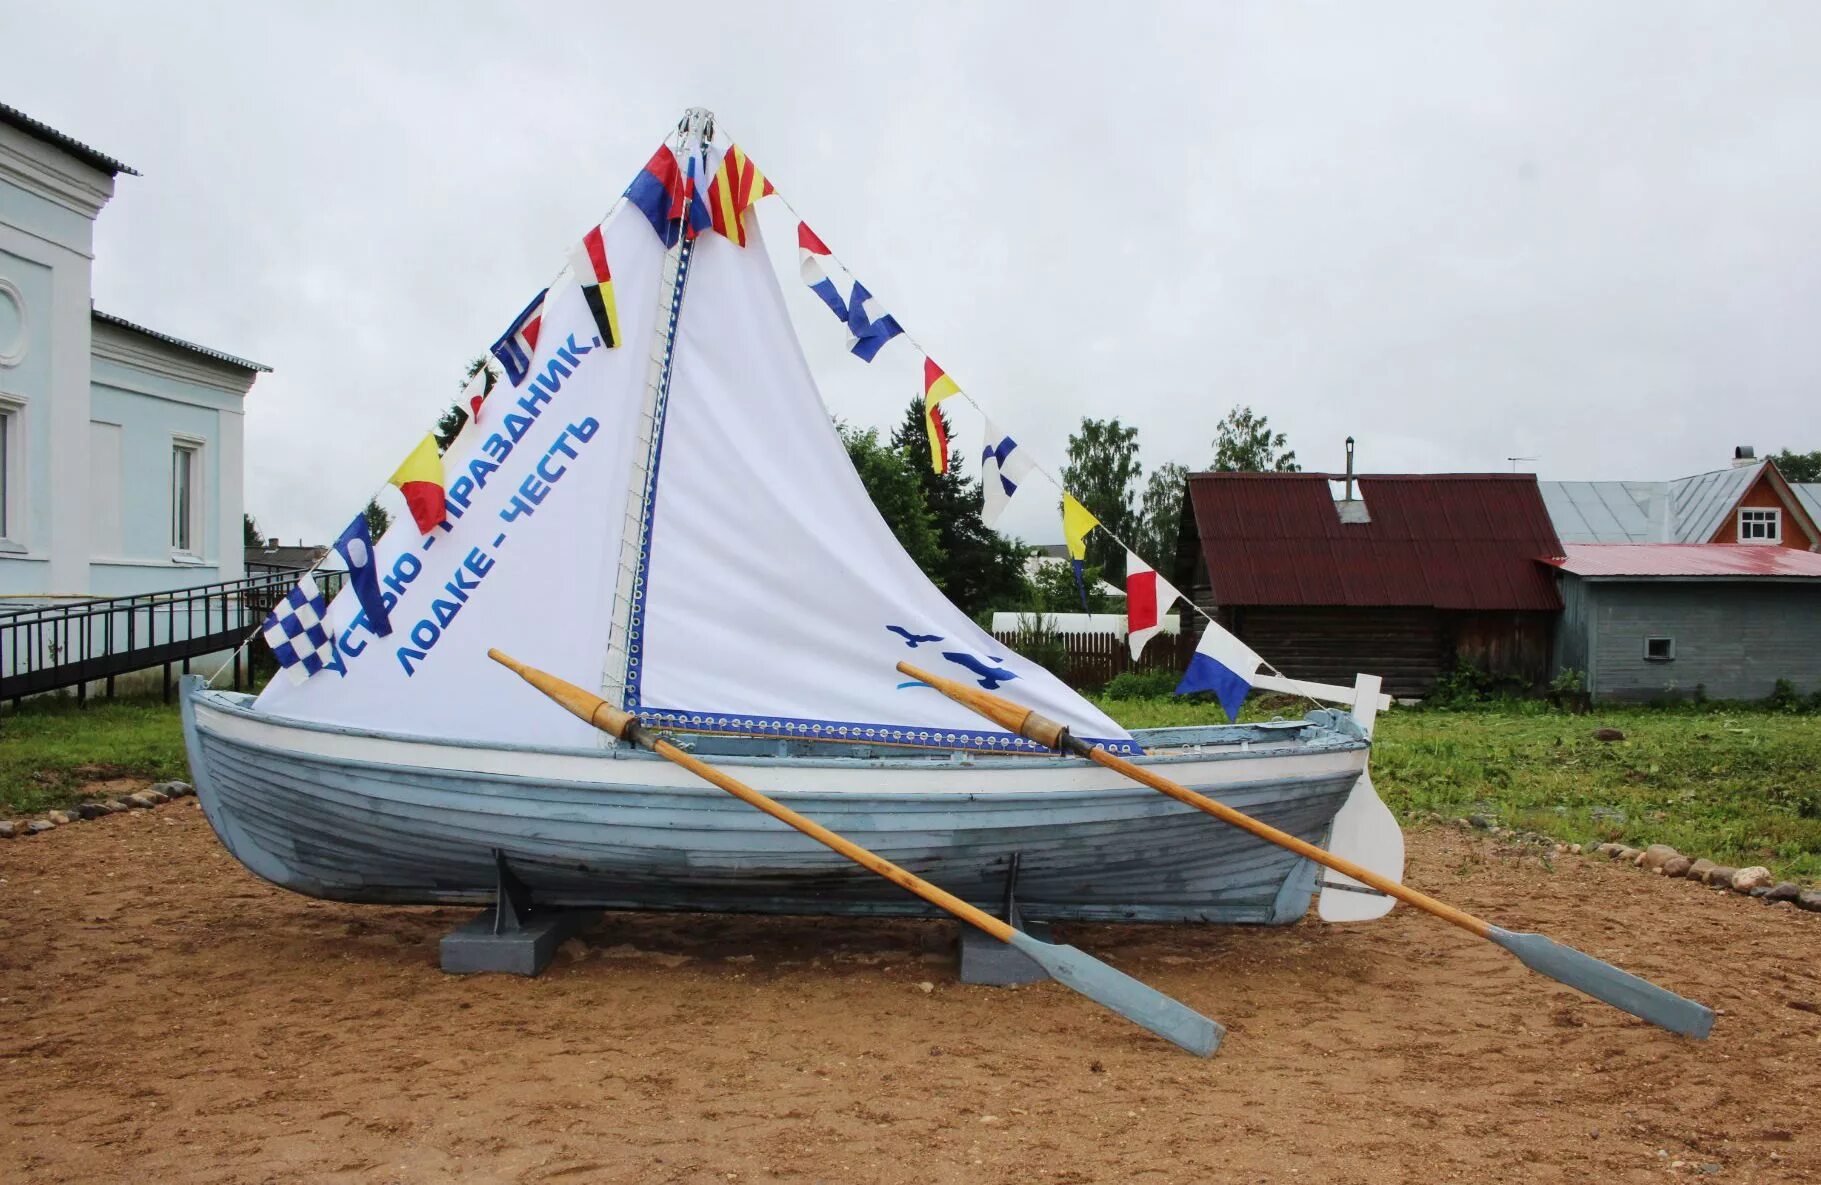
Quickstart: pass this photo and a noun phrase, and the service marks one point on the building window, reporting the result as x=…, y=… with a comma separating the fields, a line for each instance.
x=12, y=475
x=1659, y=649
x=1760, y=525
x=186, y=499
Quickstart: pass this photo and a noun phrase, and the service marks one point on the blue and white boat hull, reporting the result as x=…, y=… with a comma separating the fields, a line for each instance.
x=349, y=815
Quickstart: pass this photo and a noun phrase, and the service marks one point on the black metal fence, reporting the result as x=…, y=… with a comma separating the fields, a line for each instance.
x=73, y=645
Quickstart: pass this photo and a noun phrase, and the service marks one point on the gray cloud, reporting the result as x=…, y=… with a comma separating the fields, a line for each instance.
x=1460, y=233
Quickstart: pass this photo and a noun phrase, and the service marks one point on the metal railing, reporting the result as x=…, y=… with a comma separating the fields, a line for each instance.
x=73, y=645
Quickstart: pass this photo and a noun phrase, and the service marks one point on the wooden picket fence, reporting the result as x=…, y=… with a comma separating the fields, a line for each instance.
x=1092, y=660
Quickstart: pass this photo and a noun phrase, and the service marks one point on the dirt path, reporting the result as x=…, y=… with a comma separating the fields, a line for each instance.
x=166, y=1018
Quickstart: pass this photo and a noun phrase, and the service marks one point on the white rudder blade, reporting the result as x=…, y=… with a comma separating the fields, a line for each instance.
x=1365, y=832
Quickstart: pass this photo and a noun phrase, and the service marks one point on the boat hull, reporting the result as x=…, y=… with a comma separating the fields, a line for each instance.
x=358, y=816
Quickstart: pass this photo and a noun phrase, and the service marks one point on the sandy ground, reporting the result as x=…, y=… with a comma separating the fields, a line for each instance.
x=164, y=1017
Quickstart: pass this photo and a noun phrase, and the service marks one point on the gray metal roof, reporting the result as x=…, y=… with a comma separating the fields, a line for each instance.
x=167, y=339
x=1699, y=504
x=1686, y=510
x=1809, y=494
x=1607, y=511
x=13, y=117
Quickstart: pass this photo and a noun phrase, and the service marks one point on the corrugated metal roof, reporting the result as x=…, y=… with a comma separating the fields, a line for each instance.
x=1699, y=504
x=13, y=117
x=167, y=339
x=1608, y=511
x=1809, y=494
x=1451, y=541
x=1726, y=561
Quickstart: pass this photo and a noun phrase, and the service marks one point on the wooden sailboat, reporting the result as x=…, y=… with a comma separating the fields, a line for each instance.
x=664, y=512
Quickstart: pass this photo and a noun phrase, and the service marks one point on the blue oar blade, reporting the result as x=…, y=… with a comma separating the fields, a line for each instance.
x=1139, y=1003
x=1603, y=981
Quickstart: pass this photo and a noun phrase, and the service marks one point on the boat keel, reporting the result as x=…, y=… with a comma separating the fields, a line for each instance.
x=986, y=961
x=513, y=937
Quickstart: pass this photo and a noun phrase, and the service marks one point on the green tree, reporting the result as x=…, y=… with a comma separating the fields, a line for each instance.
x=1160, y=516
x=897, y=495
x=249, y=532
x=377, y=518
x=981, y=569
x=1103, y=473
x=1052, y=590
x=1797, y=466
x=1244, y=443
x=449, y=424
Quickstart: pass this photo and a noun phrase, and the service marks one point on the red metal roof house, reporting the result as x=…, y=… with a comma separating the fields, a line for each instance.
x=1413, y=573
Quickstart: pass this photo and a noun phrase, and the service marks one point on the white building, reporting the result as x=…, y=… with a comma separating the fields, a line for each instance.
x=120, y=447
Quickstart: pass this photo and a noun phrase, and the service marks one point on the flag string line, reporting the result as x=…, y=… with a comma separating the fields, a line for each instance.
x=1036, y=462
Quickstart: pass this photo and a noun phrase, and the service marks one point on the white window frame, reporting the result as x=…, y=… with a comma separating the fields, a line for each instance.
x=1772, y=515
x=13, y=537
x=1669, y=657
x=193, y=446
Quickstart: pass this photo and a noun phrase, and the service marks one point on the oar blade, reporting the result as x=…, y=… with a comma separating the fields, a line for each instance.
x=1603, y=981
x=1139, y=1003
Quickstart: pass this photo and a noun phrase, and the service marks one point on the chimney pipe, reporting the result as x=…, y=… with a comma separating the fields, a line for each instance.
x=1349, y=496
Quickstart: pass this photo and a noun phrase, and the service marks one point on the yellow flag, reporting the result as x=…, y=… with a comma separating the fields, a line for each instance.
x=1076, y=523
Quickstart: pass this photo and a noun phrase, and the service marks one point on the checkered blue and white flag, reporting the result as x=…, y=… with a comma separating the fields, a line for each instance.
x=299, y=637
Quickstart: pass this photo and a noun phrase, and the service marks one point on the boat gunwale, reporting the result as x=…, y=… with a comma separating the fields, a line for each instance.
x=1329, y=738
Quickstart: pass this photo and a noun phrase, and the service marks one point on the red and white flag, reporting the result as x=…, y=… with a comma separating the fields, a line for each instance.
x=1148, y=597
x=475, y=393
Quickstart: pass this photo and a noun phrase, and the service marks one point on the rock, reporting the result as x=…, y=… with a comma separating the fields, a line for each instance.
x=1678, y=866
x=1721, y=876
x=1747, y=879
x=59, y=817
x=926, y=987
x=115, y=806
x=8, y=829
x=157, y=796
x=1575, y=848
x=1608, y=735
x=91, y=810
x=1483, y=822
x=1639, y=859
x=1699, y=869
x=574, y=950
x=181, y=789
x=1657, y=855
x=141, y=799
x=1609, y=850
x=1784, y=891
x=1630, y=855
x=1809, y=899
x=1758, y=890
x=39, y=827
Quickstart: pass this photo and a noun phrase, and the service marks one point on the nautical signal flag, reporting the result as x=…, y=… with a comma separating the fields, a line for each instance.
x=420, y=480
x=867, y=333
x=1223, y=665
x=1002, y=466
x=474, y=392
x=1148, y=597
x=937, y=386
x=665, y=196
x=298, y=632
x=737, y=184
x=356, y=548
x=589, y=263
x=811, y=253
x=1077, y=523
x=518, y=344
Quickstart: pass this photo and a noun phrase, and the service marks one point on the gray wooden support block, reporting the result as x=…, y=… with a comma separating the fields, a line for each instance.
x=523, y=949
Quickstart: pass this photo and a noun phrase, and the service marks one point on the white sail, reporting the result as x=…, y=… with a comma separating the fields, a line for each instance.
x=534, y=578
x=776, y=600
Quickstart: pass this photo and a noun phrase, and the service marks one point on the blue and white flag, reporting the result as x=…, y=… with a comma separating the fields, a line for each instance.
x=356, y=548
x=1223, y=665
x=811, y=251
x=518, y=344
x=298, y=634
x=1002, y=466
x=866, y=333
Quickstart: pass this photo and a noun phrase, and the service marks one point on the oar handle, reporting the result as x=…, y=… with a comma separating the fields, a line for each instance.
x=625, y=725
x=1017, y=718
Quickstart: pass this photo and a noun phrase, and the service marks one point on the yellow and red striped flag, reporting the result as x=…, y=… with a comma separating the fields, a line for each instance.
x=737, y=184
x=937, y=386
x=420, y=480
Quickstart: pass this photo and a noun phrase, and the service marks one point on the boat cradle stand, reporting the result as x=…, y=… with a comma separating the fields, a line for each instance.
x=513, y=937
x=985, y=960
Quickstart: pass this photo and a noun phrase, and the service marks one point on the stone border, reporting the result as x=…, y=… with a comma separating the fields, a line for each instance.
x=154, y=795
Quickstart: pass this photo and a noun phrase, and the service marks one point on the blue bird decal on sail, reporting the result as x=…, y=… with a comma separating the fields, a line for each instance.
x=911, y=639
x=990, y=677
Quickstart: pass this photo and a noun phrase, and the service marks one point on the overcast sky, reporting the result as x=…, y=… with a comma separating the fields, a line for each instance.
x=1589, y=235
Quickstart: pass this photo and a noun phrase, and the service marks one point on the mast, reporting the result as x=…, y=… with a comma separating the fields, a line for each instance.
x=694, y=130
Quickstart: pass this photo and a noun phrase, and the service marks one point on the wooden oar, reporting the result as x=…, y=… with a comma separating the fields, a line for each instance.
x=1145, y=1006
x=1583, y=972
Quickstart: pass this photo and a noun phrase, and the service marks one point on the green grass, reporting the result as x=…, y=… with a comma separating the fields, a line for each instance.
x=1740, y=785
x=51, y=748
